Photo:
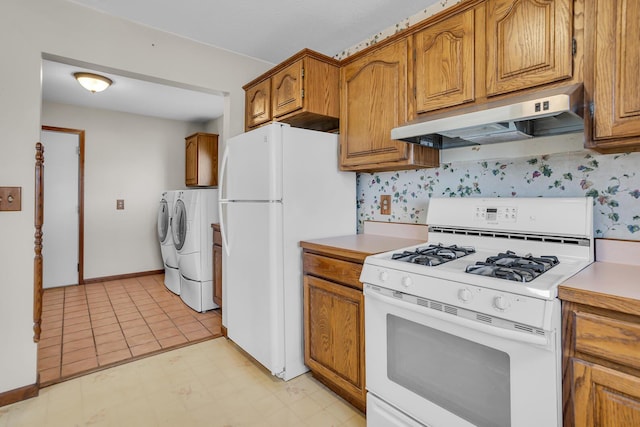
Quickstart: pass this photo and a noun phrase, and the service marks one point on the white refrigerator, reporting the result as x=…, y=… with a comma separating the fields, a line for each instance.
x=279, y=185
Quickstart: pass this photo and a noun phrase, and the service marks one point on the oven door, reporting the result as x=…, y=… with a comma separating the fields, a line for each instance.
x=445, y=371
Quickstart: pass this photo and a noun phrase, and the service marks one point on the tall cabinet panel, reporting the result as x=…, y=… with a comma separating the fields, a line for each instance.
x=444, y=63
x=528, y=42
x=612, y=76
x=201, y=160
x=373, y=101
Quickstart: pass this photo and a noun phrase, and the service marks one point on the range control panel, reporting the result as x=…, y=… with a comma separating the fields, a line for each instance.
x=497, y=214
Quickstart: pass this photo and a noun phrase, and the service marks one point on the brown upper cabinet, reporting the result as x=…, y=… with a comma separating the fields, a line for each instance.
x=257, y=104
x=529, y=43
x=201, y=160
x=444, y=63
x=477, y=50
x=374, y=100
x=612, y=76
x=302, y=91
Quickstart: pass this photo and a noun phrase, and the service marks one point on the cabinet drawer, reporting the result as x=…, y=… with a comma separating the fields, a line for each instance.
x=611, y=339
x=340, y=271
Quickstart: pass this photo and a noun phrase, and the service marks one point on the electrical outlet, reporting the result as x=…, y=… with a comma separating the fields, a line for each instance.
x=385, y=204
x=120, y=204
x=10, y=198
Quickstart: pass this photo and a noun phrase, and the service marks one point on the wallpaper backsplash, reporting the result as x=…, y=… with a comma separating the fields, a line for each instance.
x=611, y=180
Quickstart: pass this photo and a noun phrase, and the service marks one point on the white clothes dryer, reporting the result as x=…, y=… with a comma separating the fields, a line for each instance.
x=194, y=212
x=167, y=248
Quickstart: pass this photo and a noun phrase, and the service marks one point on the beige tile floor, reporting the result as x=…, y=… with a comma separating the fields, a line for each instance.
x=211, y=383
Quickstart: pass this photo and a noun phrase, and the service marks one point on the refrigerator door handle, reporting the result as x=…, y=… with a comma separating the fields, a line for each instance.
x=223, y=233
x=223, y=173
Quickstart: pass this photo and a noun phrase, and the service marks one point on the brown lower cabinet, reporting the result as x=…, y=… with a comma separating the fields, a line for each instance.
x=601, y=364
x=334, y=325
x=217, y=265
x=334, y=340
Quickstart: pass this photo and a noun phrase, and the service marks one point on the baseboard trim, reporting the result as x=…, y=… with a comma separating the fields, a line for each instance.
x=122, y=276
x=22, y=393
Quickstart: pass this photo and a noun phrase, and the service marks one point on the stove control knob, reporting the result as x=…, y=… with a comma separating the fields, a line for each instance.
x=406, y=281
x=384, y=276
x=464, y=295
x=501, y=303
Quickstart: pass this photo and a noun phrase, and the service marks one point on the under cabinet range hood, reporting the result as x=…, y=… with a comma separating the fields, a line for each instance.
x=544, y=113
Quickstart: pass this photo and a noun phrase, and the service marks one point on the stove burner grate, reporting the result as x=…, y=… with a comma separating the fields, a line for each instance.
x=433, y=255
x=510, y=266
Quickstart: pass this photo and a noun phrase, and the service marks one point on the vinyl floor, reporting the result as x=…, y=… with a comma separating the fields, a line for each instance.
x=209, y=384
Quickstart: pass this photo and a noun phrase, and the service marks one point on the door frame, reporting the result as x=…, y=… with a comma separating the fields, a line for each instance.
x=81, y=134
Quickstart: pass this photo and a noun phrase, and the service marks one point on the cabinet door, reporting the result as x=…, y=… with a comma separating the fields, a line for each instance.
x=444, y=63
x=612, y=77
x=286, y=89
x=258, y=104
x=374, y=100
x=191, y=161
x=604, y=397
x=334, y=334
x=217, y=274
x=529, y=43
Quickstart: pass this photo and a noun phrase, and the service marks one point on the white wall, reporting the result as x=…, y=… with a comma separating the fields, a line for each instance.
x=134, y=160
x=29, y=28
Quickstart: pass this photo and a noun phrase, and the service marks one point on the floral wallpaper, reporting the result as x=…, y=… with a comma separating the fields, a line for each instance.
x=612, y=180
x=406, y=23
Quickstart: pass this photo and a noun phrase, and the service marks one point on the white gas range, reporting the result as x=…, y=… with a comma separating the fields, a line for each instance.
x=464, y=330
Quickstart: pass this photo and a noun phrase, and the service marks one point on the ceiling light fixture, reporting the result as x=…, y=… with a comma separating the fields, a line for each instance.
x=93, y=82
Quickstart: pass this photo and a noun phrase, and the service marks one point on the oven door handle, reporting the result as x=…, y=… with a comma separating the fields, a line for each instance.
x=459, y=321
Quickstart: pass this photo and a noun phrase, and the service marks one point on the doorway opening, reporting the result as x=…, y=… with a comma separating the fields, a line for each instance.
x=63, y=222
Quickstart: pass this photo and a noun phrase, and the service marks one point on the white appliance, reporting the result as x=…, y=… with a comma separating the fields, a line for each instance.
x=279, y=185
x=167, y=248
x=194, y=212
x=465, y=329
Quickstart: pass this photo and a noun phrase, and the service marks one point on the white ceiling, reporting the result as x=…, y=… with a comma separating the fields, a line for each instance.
x=129, y=95
x=271, y=31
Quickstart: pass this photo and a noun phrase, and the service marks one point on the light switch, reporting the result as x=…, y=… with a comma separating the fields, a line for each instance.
x=120, y=204
x=10, y=198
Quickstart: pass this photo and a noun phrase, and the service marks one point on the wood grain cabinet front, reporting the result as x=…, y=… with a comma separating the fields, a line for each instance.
x=612, y=76
x=301, y=91
x=374, y=100
x=257, y=104
x=201, y=160
x=444, y=63
x=334, y=325
x=601, y=365
x=217, y=265
x=529, y=43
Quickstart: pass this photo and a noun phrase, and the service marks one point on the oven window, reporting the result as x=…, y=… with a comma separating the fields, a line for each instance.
x=468, y=379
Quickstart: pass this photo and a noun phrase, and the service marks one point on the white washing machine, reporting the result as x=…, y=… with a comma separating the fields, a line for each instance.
x=167, y=248
x=193, y=213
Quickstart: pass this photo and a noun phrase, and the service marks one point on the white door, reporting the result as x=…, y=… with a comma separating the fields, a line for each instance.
x=252, y=165
x=61, y=209
x=254, y=280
